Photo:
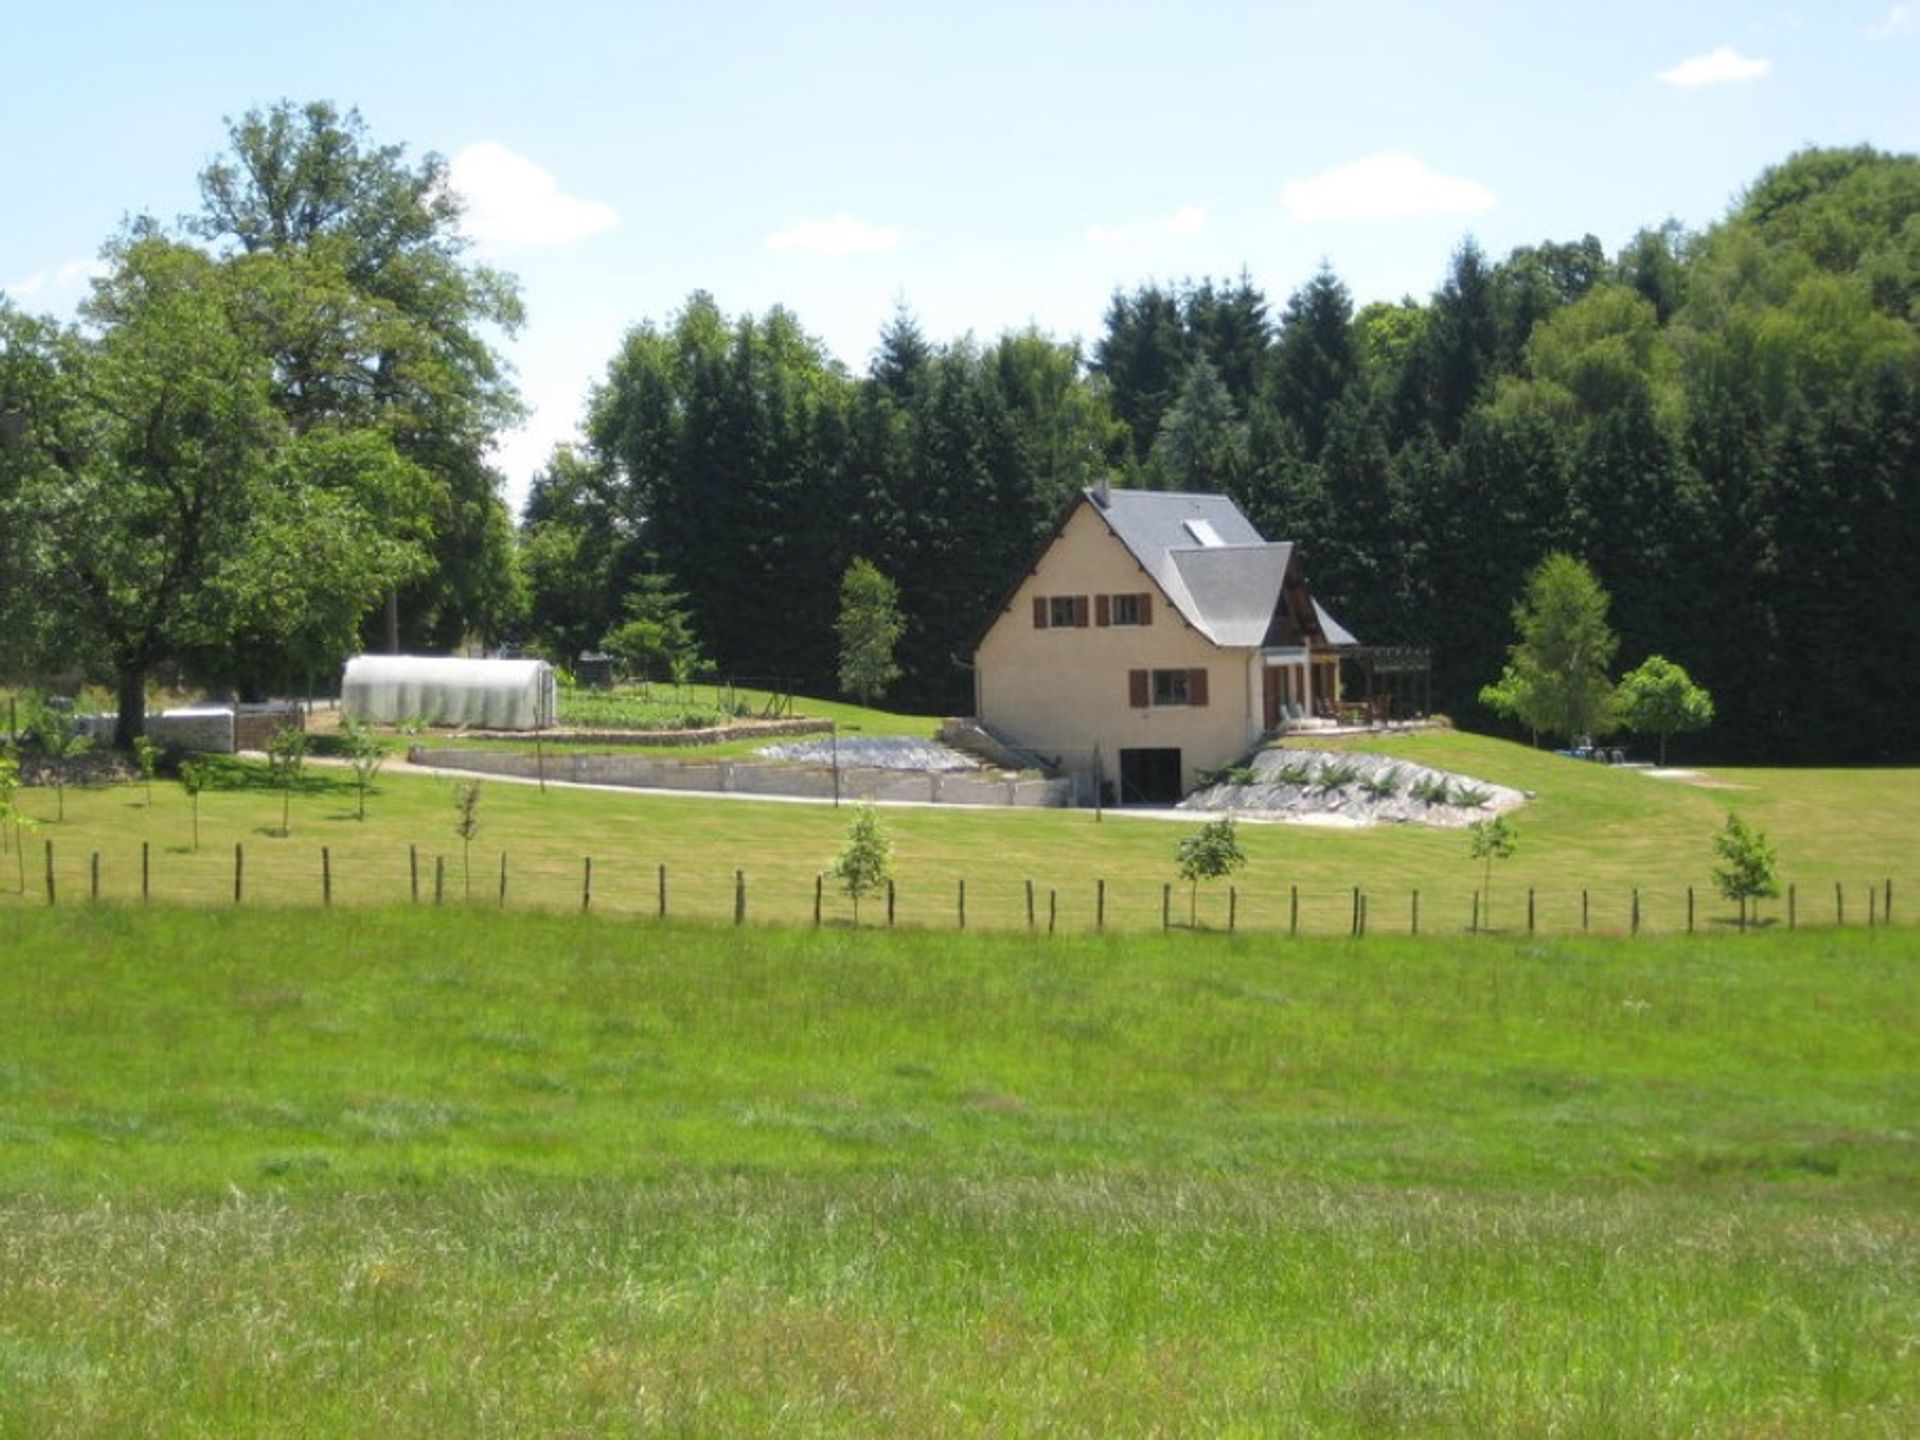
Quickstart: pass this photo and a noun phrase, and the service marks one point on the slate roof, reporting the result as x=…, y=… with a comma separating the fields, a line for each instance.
x=1227, y=591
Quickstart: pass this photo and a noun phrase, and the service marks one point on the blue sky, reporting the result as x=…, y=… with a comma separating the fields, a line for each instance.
x=988, y=166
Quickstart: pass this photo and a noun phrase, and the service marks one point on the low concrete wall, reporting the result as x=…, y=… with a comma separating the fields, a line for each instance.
x=752, y=778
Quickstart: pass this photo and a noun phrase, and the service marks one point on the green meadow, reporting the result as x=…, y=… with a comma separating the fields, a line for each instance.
x=485, y=1169
x=269, y=1172
x=1605, y=832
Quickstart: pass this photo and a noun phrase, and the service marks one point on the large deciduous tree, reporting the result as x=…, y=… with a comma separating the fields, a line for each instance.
x=361, y=292
x=175, y=514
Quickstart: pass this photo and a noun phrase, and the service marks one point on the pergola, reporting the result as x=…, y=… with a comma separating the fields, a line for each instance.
x=1394, y=682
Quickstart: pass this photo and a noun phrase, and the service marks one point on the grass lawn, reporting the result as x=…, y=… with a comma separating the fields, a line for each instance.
x=278, y=1173
x=1603, y=830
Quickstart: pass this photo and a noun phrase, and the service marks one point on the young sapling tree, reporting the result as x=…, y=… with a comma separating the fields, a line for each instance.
x=1210, y=853
x=194, y=775
x=12, y=821
x=365, y=755
x=286, y=758
x=866, y=863
x=62, y=743
x=146, y=756
x=1751, y=871
x=466, y=824
x=1488, y=841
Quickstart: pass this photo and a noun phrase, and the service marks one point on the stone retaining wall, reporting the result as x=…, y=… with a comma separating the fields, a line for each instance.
x=713, y=735
x=746, y=777
x=206, y=729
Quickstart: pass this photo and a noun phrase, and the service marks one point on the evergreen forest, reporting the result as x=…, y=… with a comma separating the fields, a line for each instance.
x=1724, y=425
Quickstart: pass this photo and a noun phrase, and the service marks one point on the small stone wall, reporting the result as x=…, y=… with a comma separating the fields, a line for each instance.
x=745, y=777
x=255, y=725
x=713, y=735
x=207, y=729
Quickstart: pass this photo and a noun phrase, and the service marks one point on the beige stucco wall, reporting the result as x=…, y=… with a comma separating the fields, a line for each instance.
x=1062, y=692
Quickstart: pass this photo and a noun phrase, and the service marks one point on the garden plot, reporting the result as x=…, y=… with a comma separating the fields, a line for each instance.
x=1351, y=788
x=876, y=752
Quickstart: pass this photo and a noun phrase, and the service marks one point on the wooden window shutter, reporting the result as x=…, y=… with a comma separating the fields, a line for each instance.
x=1197, y=687
x=1146, y=607
x=1080, y=612
x=1139, y=689
x=1102, y=610
x=1039, y=612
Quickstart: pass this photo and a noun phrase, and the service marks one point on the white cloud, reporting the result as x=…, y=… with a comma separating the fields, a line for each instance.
x=1187, y=220
x=1899, y=22
x=1722, y=65
x=836, y=235
x=62, y=277
x=1389, y=186
x=514, y=204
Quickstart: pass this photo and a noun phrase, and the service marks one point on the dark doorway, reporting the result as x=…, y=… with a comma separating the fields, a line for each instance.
x=1150, y=777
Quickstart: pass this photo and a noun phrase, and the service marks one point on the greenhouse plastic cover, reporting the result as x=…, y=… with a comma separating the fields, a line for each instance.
x=490, y=694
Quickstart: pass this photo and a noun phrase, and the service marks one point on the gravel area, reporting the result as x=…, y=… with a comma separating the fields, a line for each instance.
x=878, y=752
x=1308, y=794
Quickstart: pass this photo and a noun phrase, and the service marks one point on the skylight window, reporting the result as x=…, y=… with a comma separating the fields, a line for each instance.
x=1203, y=533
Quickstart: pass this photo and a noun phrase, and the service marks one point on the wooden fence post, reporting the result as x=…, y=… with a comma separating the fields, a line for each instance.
x=890, y=903
x=413, y=872
x=1166, y=907
x=503, y=879
x=1873, y=903
x=1100, y=904
x=146, y=872
x=1530, y=910
x=963, y=902
x=1353, y=921
x=586, y=883
x=663, y=889
x=1233, y=908
x=439, y=879
x=1839, y=903
x=1415, y=927
x=1052, y=908
x=1029, y=904
x=819, y=891
x=239, y=870
x=1689, y=910
x=1886, y=907
x=1293, y=910
x=50, y=885
x=739, y=897
x=1583, y=910
x=93, y=878
x=1473, y=926
x=1636, y=909
x=326, y=877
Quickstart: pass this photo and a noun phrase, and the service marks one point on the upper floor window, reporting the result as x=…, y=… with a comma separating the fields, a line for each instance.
x=1060, y=612
x=1134, y=609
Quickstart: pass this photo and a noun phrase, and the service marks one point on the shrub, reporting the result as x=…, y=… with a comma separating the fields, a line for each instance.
x=1337, y=774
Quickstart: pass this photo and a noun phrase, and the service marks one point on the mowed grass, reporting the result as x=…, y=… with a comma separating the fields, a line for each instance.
x=1591, y=838
x=276, y=1173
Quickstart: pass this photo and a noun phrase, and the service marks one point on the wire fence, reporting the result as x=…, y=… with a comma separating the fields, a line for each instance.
x=284, y=873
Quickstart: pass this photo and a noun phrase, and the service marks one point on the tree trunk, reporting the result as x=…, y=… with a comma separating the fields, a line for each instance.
x=133, y=706
x=393, y=621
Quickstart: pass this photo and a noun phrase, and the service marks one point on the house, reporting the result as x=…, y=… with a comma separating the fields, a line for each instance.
x=1155, y=636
